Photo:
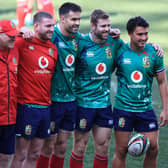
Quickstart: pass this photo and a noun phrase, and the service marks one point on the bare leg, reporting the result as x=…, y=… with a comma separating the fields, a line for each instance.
x=80, y=142
x=101, y=138
x=33, y=153
x=121, y=141
x=150, y=160
x=61, y=143
x=48, y=146
x=4, y=160
x=22, y=146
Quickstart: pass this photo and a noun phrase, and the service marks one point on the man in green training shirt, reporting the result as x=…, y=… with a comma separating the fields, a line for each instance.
x=63, y=108
x=94, y=66
x=137, y=64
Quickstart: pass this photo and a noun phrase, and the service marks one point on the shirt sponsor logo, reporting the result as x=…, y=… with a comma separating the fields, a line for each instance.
x=136, y=76
x=68, y=69
x=43, y=62
x=101, y=68
x=99, y=77
x=69, y=60
x=136, y=86
x=146, y=62
x=127, y=61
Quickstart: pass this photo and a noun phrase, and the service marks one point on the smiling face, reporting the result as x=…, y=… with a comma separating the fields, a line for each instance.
x=138, y=38
x=44, y=29
x=100, y=31
x=7, y=41
x=70, y=22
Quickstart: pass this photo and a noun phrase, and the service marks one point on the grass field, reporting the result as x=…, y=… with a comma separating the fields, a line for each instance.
x=120, y=11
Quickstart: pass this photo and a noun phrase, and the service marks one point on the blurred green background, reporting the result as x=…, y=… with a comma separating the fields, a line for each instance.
x=156, y=12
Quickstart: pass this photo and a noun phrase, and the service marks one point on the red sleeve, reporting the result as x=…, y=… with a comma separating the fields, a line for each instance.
x=19, y=43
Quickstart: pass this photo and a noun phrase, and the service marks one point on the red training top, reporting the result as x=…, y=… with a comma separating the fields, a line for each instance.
x=8, y=84
x=36, y=66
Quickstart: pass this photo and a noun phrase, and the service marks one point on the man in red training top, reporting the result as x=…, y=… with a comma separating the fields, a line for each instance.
x=8, y=82
x=36, y=66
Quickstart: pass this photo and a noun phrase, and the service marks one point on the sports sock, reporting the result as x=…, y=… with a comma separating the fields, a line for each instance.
x=75, y=161
x=100, y=161
x=56, y=162
x=42, y=162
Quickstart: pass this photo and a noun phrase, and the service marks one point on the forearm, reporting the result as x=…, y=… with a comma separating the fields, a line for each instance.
x=164, y=95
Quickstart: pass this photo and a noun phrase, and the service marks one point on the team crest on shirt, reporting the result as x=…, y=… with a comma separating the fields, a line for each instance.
x=15, y=63
x=31, y=47
x=28, y=130
x=43, y=62
x=50, y=51
x=69, y=60
x=14, y=60
x=146, y=62
x=121, y=122
x=108, y=52
x=12, y=24
x=52, y=126
x=83, y=123
x=101, y=68
x=136, y=76
x=74, y=43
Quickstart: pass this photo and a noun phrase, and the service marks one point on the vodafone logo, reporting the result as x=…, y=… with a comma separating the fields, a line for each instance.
x=136, y=76
x=69, y=60
x=100, y=68
x=43, y=62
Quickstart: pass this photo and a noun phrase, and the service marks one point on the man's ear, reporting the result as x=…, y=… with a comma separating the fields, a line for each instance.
x=62, y=19
x=36, y=25
x=92, y=26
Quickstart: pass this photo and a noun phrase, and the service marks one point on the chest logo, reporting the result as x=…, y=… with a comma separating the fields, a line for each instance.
x=108, y=52
x=50, y=51
x=14, y=61
x=74, y=43
x=101, y=68
x=136, y=76
x=146, y=62
x=31, y=47
x=69, y=60
x=127, y=61
x=43, y=62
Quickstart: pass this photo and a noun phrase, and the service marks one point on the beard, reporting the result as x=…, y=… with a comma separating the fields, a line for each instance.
x=100, y=36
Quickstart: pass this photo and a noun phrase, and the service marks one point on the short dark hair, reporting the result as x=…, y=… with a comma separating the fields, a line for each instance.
x=136, y=21
x=40, y=15
x=98, y=14
x=66, y=7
